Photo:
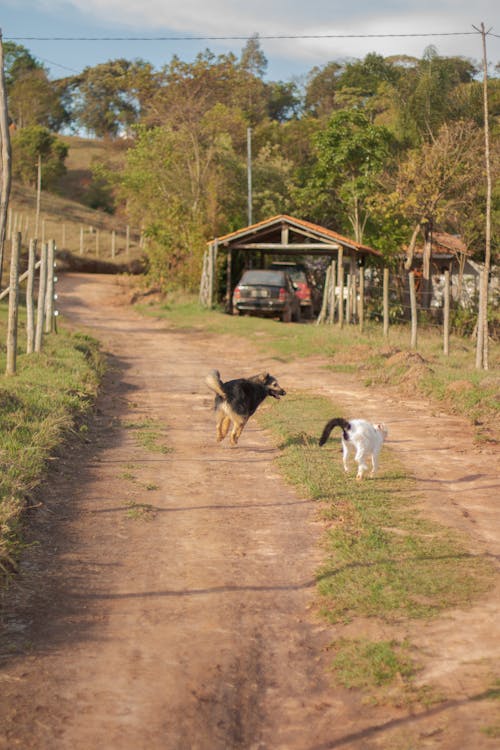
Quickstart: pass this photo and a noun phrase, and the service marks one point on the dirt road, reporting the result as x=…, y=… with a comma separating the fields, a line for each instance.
x=170, y=604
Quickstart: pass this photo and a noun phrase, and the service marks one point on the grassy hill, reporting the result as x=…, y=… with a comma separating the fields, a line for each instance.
x=85, y=237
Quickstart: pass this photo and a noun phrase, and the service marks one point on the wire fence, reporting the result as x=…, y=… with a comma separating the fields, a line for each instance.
x=404, y=299
x=40, y=288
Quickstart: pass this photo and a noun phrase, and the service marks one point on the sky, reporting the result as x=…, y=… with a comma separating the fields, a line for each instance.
x=69, y=35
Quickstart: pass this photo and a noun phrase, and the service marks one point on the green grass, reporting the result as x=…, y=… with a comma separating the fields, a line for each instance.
x=359, y=663
x=48, y=397
x=148, y=433
x=383, y=558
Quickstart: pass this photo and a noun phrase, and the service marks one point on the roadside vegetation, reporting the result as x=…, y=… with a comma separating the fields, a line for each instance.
x=48, y=399
x=383, y=559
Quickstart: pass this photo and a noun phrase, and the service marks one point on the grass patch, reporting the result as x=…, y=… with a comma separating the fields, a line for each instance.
x=148, y=433
x=48, y=397
x=141, y=512
x=383, y=558
x=359, y=663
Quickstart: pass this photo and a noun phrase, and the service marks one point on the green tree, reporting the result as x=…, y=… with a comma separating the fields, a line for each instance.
x=427, y=95
x=184, y=184
x=439, y=181
x=28, y=145
x=321, y=90
x=32, y=98
x=350, y=153
x=367, y=84
x=105, y=97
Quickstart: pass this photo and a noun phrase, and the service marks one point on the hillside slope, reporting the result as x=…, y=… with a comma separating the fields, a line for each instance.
x=79, y=230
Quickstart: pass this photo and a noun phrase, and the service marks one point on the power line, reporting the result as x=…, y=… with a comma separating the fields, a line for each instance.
x=233, y=38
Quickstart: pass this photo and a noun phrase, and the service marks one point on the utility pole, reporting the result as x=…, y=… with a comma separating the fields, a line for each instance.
x=5, y=163
x=482, y=327
x=249, y=173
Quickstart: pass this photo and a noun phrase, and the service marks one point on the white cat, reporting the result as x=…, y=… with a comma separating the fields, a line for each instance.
x=363, y=437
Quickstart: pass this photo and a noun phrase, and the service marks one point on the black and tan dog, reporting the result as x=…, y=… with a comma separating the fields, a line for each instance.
x=236, y=400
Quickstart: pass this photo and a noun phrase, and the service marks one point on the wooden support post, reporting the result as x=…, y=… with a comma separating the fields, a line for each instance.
x=42, y=286
x=354, y=297
x=326, y=293
x=13, y=306
x=361, y=306
x=348, y=299
x=333, y=276
x=30, y=306
x=413, y=305
x=229, y=283
x=446, y=314
x=340, y=284
x=385, y=293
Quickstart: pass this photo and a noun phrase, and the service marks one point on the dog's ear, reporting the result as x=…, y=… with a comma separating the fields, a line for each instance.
x=262, y=377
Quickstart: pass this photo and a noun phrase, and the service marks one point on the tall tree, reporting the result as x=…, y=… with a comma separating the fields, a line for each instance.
x=33, y=98
x=350, y=153
x=185, y=182
x=36, y=141
x=105, y=100
x=321, y=90
x=427, y=95
x=440, y=178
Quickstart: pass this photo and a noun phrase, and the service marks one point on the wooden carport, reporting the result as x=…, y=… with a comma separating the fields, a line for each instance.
x=280, y=235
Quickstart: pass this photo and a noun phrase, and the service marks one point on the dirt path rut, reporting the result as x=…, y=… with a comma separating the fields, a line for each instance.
x=169, y=605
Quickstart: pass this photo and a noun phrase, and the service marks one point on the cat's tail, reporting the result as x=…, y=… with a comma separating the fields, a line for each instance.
x=337, y=422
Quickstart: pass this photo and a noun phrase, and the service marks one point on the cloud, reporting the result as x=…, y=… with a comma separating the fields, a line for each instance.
x=222, y=18
x=317, y=32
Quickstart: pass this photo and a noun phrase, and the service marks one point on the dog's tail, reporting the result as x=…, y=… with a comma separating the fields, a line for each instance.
x=337, y=422
x=214, y=382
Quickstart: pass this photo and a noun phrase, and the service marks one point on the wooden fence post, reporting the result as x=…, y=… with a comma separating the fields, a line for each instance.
x=361, y=307
x=113, y=243
x=49, y=292
x=42, y=286
x=386, y=302
x=13, y=306
x=30, y=309
x=446, y=314
x=413, y=305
